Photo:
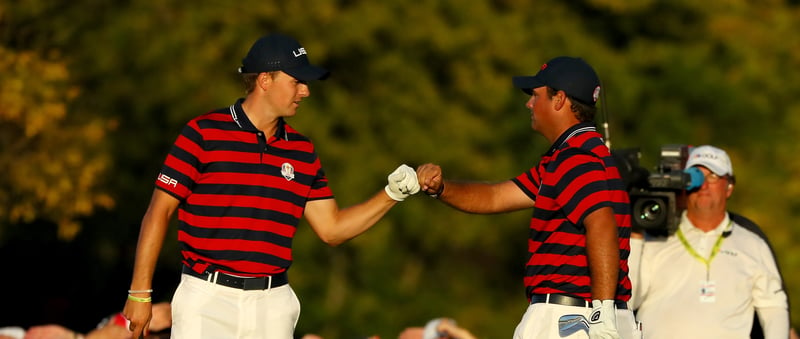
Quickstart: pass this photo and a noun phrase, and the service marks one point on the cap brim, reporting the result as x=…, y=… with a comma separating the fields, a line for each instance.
x=308, y=73
x=716, y=169
x=527, y=83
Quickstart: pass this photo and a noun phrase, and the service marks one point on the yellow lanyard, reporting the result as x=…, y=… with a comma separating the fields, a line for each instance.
x=697, y=256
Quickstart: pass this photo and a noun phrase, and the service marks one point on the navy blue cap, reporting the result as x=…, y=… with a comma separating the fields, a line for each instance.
x=278, y=52
x=572, y=75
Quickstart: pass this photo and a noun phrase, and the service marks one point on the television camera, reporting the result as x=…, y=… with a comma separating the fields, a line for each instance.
x=656, y=198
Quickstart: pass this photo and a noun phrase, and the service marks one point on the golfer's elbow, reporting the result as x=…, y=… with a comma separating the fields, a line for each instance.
x=332, y=239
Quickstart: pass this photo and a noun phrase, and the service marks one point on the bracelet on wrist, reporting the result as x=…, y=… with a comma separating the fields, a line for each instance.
x=438, y=193
x=140, y=291
x=140, y=300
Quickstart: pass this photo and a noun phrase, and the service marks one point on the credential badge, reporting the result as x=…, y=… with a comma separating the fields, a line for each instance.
x=288, y=171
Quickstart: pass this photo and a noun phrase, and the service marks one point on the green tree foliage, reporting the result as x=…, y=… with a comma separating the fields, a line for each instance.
x=51, y=163
x=413, y=82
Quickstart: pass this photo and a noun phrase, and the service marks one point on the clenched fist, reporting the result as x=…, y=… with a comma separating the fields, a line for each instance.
x=402, y=183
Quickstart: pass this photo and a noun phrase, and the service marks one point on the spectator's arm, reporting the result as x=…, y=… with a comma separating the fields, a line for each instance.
x=453, y=331
x=774, y=322
x=634, y=270
x=51, y=331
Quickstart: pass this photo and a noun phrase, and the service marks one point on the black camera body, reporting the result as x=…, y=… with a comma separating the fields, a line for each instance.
x=656, y=197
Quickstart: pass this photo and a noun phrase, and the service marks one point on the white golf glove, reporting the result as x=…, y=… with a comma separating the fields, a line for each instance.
x=431, y=329
x=402, y=183
x=603, y=321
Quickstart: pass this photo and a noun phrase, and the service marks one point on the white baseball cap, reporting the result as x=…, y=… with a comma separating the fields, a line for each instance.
x=715, y=159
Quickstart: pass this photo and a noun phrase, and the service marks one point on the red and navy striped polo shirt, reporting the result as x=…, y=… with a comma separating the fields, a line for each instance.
x=574, y=178
x=242, y=194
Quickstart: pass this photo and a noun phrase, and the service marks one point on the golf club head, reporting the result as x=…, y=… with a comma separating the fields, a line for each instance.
x=572, y=323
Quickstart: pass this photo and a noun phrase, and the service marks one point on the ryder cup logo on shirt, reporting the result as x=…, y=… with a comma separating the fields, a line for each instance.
x=287, y=170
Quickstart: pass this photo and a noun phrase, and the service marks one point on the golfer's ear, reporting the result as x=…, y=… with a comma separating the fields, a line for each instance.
x=559, y=100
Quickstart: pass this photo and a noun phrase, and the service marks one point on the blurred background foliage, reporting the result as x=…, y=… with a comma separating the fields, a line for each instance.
x=92, y=94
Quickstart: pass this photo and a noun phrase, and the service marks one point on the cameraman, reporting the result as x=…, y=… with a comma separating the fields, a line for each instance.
x=707, y=278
